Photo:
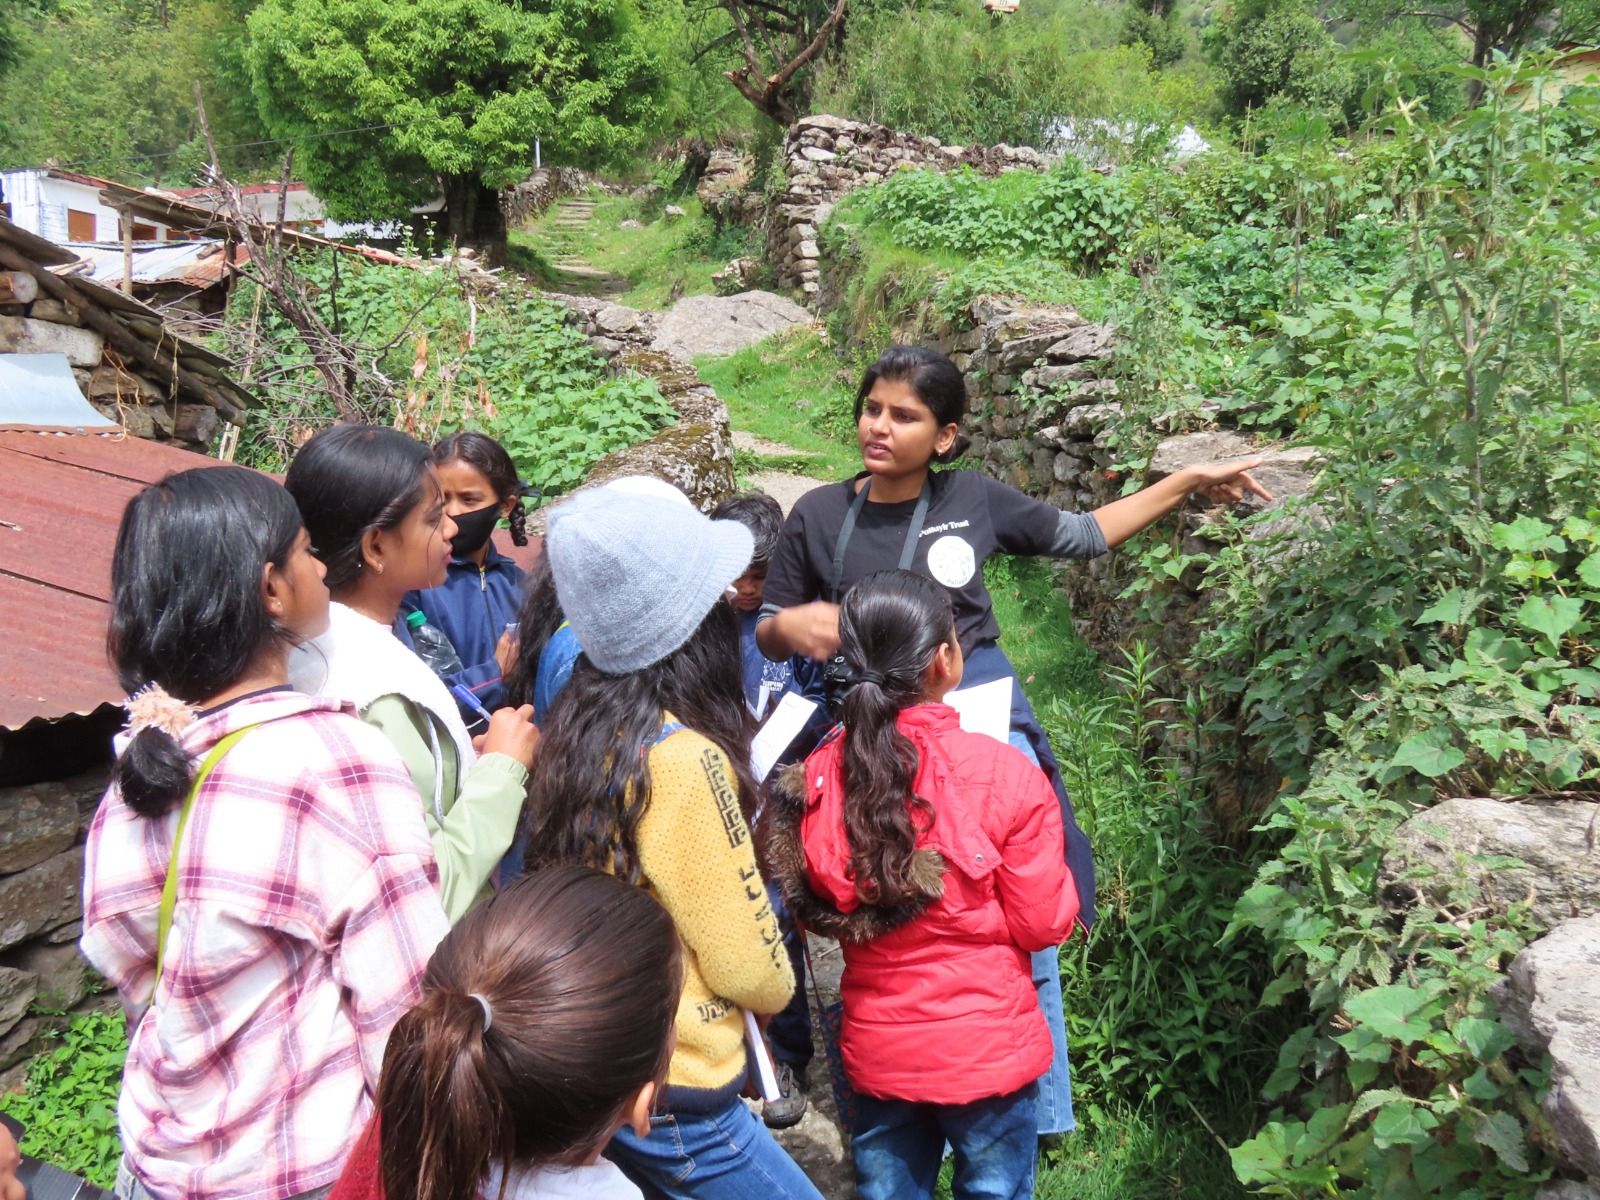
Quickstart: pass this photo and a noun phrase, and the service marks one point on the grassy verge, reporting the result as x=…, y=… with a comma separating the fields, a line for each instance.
x=787, y=389
x=68, y=1108
x=661, y=258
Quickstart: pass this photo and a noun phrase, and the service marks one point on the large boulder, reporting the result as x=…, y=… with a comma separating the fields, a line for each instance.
x=1551, y=1000
x=1538, y=851
x=721, y=325
x=697, y=459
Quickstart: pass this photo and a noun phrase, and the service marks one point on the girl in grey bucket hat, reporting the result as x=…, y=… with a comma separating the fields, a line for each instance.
x=644, y=772
x=636, y=575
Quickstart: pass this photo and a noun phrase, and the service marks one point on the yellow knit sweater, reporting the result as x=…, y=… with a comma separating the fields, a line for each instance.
x=696, y=854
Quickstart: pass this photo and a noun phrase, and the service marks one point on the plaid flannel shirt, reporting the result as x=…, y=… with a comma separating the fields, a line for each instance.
x=307, y=910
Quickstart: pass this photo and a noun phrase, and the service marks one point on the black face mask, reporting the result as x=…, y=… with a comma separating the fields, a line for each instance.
x=473, y=529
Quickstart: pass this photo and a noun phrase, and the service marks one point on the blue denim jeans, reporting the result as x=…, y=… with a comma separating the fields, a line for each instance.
x=1054, y=1106
x=725, y=1155
x=898, y=1145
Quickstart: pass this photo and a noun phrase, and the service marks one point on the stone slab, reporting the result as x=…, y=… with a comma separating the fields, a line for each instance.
x=37, y=822
x=720, y=325
x=1551, y=998
x=1560, y=872
x=24, y=335
x=41, y=898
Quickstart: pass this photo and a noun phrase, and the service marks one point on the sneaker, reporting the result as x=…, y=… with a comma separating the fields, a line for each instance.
x=790, y=1105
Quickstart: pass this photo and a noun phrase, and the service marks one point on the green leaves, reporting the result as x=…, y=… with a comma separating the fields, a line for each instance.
x=1550, y=616
x=1397, y=1011
x=1429, y=754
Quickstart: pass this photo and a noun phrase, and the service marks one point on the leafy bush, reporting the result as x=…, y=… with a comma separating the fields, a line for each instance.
x=515, y=366
x=68, y=1107
x=954, y=73
x=1423, y=631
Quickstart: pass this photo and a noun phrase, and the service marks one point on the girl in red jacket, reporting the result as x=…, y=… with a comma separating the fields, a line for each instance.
x=935, y=857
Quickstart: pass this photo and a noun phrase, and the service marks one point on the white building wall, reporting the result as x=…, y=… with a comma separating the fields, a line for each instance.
x=39, y=203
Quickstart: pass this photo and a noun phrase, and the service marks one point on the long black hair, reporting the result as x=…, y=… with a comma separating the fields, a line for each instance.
x=590, y=784
x=489, y=458
x=186, y=604
x=537, y=619
x=934, y=378
x=890, y=625
x=543, y=1012
x=350, y=479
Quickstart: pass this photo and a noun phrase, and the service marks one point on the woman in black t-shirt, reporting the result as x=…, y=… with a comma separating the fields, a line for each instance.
x=945, y=524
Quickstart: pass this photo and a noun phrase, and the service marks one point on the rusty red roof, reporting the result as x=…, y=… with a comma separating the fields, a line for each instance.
x=61, y=498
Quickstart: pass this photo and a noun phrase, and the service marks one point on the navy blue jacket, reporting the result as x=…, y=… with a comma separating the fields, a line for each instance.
x=472, y=608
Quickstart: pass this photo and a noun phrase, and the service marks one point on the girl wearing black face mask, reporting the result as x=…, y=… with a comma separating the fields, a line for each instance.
x=483, y=588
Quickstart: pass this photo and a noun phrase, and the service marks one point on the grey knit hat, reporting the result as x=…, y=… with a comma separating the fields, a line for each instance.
x=636, y=575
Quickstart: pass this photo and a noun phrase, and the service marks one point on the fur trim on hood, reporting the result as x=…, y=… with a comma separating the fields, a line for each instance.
x=786, y=866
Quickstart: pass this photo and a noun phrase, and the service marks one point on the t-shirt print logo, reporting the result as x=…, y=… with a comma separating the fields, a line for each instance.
x=951, y=561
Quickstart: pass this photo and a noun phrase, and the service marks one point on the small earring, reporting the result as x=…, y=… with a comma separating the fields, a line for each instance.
x=379, y=568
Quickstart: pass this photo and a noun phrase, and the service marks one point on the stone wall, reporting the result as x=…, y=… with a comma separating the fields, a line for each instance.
x=825, y=157
x=1043, y=402
x=695, y=454
x=133, y=396
x=42, y=976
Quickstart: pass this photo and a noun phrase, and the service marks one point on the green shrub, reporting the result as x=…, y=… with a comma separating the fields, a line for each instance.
x=1423, y=631
x=433, y=360
x=68, y=1107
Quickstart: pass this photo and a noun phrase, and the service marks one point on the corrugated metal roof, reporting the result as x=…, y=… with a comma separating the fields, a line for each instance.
x=197, y=264
x=61, y=498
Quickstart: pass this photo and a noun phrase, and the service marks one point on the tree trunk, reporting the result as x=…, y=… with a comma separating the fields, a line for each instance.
x=473, y=217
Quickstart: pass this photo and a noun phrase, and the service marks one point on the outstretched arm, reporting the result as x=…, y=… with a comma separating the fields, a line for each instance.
x=1220, y=482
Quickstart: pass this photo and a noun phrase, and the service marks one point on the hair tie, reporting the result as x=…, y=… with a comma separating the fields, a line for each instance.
x=152, y=707
x=488, y=1016
x=527, y=491
x=869, y=677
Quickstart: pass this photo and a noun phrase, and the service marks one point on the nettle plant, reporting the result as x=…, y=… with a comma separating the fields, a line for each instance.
x=1423, y=627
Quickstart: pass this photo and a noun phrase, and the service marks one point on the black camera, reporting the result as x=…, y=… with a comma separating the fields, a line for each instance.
x=837, y=680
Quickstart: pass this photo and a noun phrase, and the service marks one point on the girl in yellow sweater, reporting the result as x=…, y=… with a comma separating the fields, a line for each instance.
x=643, y=773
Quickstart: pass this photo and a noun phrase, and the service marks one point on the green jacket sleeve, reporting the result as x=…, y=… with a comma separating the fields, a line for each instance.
x=471, y=830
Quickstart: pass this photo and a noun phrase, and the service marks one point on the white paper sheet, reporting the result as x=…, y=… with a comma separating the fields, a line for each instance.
x=984, y=708
x=782, y=727
x=760, y=1056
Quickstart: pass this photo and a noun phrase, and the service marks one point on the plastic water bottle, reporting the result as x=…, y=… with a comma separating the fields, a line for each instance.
x=431, y=644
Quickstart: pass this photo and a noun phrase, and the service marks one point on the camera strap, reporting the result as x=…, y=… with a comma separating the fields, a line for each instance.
x=913, y=533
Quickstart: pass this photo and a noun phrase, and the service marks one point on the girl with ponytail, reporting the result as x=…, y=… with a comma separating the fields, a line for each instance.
x=482, y=588
x=935, y=857
x=258, y=882
x=545, y=1026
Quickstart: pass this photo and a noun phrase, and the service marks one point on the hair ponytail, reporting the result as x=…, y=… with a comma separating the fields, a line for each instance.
x=153, y=772
x=543, y=1012
x=443, y=1122
x=890, y=625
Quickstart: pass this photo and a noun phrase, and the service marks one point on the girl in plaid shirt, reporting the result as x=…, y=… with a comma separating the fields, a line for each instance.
x=305, y=902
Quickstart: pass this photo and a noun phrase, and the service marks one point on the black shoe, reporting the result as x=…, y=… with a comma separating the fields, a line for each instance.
x=790, y=1105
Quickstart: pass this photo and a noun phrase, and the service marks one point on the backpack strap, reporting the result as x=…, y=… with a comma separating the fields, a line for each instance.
x=169, y=890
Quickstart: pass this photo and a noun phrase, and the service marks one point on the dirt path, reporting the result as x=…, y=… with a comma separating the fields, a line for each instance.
x=573, y=272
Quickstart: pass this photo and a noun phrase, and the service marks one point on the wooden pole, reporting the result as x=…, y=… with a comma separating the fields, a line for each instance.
x=18, y=287
x=127, y=253
x=120, y=338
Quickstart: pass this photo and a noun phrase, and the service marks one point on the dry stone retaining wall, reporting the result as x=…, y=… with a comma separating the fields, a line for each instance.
x=42, y=975
x=825, y=157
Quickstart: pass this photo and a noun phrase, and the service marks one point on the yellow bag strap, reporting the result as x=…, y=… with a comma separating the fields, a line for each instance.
x=169, y=890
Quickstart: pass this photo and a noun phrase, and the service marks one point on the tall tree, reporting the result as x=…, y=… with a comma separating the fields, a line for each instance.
x=778, y=39
x=393, y=101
